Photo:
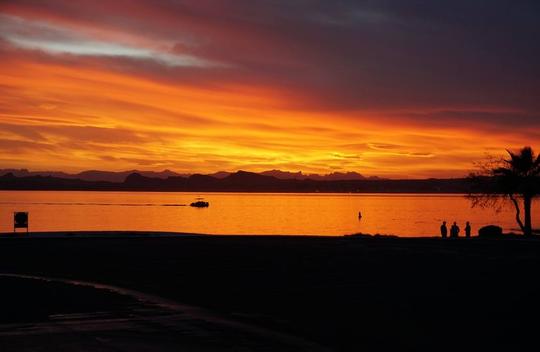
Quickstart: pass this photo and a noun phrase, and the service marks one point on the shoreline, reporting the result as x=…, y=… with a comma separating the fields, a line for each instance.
x=119, y=234
x=98, y=234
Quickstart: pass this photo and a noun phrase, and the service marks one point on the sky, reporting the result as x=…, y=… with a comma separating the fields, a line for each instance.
x=391, y=88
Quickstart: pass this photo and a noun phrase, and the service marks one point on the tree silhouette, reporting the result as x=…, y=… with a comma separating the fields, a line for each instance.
x=516, y=179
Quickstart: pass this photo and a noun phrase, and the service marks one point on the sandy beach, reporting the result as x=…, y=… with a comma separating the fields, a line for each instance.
x=336, y=293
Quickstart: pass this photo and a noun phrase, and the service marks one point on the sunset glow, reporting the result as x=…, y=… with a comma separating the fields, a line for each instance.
x=200, y=86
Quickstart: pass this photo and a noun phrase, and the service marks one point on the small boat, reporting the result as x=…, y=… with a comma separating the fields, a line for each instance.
x=200, y=203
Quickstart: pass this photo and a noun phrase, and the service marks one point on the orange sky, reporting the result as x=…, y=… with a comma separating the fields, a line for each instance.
x=196, y=88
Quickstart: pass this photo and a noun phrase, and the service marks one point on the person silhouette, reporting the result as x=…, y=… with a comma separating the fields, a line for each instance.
x=454, y=231
x=444, y=230
x=468, y=230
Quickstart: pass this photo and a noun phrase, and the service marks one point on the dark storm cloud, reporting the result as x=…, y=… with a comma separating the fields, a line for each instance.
x=339, y=54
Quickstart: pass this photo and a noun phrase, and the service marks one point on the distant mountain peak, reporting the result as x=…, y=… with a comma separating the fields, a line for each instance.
x=247, y=174
x=220, y=174
x=133, y=177
x=334, y=176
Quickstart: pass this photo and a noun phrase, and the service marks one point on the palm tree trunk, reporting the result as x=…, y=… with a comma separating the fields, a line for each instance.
x=527, y=200
x=518, y=213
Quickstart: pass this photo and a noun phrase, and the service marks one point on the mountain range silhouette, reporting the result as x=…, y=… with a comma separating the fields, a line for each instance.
x=240, y=181
x=120, y=176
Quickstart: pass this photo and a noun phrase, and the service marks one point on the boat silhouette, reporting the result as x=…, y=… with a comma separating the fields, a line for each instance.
x=200, y=203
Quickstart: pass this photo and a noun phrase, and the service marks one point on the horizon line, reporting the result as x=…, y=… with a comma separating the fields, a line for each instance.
x=360, y=176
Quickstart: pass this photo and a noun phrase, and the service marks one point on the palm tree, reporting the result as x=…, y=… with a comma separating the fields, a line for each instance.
x=516, y=178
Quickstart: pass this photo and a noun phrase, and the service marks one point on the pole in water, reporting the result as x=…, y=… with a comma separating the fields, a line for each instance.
x=359, y=215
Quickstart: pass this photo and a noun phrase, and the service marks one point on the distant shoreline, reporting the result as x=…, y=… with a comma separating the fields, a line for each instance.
x=227, y=192
x=236, y=182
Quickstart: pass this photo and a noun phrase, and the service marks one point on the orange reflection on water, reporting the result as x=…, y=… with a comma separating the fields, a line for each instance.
x=247, y=213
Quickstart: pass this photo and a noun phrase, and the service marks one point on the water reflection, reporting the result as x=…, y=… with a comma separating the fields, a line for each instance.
x=247, y=213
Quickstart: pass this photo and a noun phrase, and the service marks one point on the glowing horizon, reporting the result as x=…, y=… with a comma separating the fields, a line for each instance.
x=204, y=87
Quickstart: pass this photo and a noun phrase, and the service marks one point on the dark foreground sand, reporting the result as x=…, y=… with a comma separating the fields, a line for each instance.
x=351, y=294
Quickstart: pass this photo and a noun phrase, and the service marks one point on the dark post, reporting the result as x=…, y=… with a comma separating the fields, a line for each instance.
x=20, y=220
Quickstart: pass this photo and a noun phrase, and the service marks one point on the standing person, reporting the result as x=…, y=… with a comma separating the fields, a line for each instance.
x=454, y=231
x=468, y=230
x=444, y=230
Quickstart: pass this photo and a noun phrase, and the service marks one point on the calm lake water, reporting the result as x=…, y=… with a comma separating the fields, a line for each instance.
x=247, y=213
